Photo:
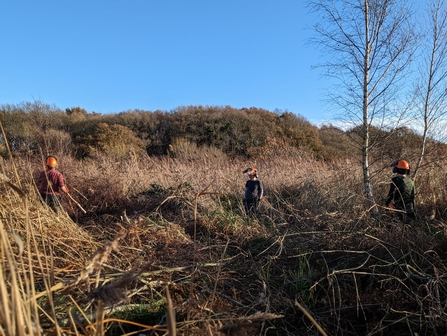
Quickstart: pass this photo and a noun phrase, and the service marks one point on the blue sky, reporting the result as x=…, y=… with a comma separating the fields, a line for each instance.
x=113, y=56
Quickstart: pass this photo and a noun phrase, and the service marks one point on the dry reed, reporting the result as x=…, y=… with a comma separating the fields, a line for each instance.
x=313, y=242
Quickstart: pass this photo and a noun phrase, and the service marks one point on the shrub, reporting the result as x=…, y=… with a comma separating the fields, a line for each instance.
x=115, y=140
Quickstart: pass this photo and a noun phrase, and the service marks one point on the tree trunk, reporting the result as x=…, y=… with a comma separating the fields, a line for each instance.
x=365, y=145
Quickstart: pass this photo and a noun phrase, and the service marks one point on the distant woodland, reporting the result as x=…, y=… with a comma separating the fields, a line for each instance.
x=36, y=128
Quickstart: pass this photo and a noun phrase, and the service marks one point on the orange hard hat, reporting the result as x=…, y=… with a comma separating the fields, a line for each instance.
x=250, y=171
x=52, y=162
x=402, y=164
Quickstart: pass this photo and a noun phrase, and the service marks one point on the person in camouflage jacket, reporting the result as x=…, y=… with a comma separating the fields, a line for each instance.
x=401, y=193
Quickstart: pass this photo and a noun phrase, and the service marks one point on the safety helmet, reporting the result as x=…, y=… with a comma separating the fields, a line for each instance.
x=52, y=162
x=402, y=164
x=251, y=171
x=401, y=167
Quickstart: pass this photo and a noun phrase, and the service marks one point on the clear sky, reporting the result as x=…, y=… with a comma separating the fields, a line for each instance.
x=113, y=56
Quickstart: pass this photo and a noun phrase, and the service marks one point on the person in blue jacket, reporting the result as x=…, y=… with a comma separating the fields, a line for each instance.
x=253, y=191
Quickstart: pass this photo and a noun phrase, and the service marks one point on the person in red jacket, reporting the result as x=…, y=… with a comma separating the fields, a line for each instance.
x=50, y=183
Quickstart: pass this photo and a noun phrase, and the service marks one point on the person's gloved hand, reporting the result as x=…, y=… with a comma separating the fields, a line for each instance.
x=66, y=190
x=390, y=206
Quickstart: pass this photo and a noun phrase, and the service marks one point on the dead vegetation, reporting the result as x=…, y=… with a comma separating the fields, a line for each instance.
x=165, y=248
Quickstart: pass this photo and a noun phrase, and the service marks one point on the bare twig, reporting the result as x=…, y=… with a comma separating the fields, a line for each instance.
x=311, y=319
x=75, y=202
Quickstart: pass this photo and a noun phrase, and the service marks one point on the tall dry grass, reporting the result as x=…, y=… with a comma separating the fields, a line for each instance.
x=36, y=245
x=176, y=225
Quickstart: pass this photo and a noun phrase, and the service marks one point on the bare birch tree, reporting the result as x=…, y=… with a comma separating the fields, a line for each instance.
x=431, y=88
x=367, y=45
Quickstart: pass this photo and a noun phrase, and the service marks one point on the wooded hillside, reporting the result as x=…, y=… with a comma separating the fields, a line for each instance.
x=250, y=133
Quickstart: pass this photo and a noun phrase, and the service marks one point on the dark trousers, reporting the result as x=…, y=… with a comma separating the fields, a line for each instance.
x=53, y=201
x=408, y=213
x=251, y=206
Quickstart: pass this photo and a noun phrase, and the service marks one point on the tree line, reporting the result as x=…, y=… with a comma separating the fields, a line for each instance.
x=36, y=128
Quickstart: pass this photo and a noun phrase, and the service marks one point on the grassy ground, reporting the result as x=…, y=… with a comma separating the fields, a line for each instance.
x=164, y=246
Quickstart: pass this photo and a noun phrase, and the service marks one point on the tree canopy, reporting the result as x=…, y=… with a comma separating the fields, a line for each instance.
x=247, y=132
